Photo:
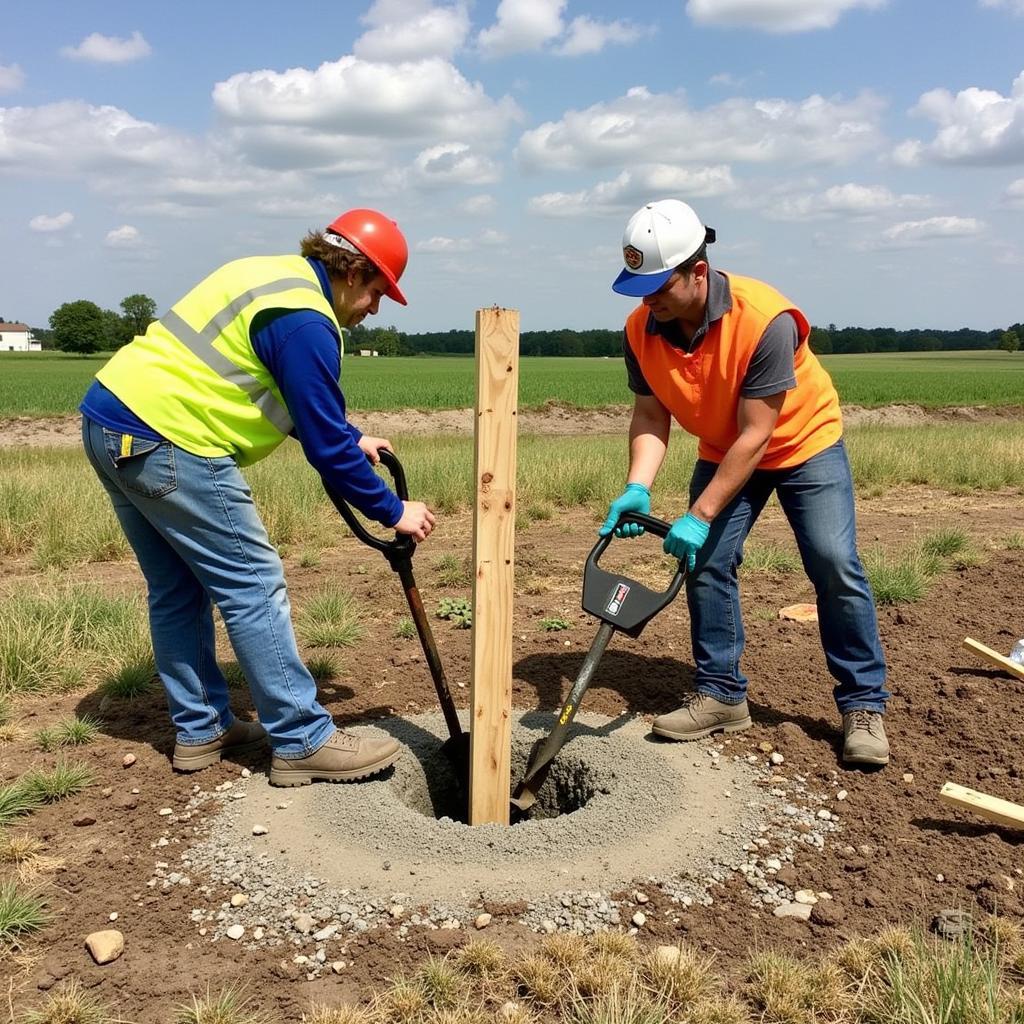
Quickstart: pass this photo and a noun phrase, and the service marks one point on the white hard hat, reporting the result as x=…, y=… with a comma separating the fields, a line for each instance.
x=658, y=238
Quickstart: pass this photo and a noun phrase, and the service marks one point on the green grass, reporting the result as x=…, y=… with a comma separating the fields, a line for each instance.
x=63, y=780
x=47, y=384
x=329, y=619
x=16, y=800
x=229, y=1005
x=69, y=1004
x=405, y=628
x=21, y=913
x=769, y=557
x=899, y=577
x=452, y=571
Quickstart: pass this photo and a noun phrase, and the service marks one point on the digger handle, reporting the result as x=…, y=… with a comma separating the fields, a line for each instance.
x=401, y=548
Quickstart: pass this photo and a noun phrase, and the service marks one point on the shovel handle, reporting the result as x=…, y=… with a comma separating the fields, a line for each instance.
x=399, y=549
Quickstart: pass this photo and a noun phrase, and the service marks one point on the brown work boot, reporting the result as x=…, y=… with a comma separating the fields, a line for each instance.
x=700, y=716
x=345, y=757
x=240, y=738
x=864, y=740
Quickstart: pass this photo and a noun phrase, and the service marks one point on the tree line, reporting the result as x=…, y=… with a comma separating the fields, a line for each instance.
x=84, y=327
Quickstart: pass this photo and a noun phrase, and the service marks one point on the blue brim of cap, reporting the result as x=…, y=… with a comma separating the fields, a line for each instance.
x=638, y=285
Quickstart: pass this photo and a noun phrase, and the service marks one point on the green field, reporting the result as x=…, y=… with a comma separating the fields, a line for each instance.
x=43, y=384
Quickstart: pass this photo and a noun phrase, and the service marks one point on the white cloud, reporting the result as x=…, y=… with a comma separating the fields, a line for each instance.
x=975, y=126
x=322, y=119
x=1014, y=195
x=522, y=26
x=109, y=49
x=726, y=79
x=813, y=130
x=43, y=222
x=915, y=232
x=402, y=30
x=441, y=244
x=124, y=237
x=585, y=35
x=12, y=77
x=632, y=188
x=847, y=200
x=453, y=163
x=1013, y=6
x=776, y=16
x=479, y=205
x=493, y=237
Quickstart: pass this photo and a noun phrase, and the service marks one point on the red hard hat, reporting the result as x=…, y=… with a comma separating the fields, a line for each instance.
x=377, y=237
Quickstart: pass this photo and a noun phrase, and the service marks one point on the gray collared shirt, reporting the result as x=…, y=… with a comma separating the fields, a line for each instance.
x=771, y=367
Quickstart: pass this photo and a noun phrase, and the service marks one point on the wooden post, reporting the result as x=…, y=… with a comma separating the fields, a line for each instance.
x=991, y=807
x=494, y=519
x=995, y=658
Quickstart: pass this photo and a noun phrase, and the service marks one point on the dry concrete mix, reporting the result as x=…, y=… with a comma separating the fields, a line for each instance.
x=320, y=862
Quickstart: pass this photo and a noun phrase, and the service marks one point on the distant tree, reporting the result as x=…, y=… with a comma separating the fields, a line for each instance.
x=820, y=341
x=139, y=312
x=116, y=330
x=1009, y=341
x=44, y=336
x=78, y=326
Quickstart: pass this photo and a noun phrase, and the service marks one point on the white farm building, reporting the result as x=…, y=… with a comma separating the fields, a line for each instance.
x=17, y=338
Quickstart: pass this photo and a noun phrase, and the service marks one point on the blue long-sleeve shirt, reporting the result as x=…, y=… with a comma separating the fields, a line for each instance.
x=302, y=351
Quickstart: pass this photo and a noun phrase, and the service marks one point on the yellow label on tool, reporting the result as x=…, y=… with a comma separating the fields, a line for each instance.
x=565, y=714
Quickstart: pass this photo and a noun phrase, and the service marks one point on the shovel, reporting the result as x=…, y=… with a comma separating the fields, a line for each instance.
x=623, y=606
x=399, y=552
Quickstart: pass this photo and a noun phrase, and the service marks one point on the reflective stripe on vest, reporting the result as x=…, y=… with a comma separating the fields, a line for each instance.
x=200, y=344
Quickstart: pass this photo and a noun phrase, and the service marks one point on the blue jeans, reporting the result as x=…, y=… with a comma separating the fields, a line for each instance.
x=197, y=535
x=817, y=498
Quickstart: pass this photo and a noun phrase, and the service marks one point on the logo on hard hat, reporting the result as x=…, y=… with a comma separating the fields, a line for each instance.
x=633, y=256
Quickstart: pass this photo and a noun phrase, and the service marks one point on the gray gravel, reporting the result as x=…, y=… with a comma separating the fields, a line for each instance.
x=310, y=867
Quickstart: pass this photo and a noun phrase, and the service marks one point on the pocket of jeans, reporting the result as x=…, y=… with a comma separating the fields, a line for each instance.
x=142, y=466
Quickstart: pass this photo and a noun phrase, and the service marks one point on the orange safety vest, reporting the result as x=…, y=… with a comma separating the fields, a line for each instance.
x=702, y=389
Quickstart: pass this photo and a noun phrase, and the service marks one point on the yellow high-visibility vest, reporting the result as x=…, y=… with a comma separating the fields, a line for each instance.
x=194, y=376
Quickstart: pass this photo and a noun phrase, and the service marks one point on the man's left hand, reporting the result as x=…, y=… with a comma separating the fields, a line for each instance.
x=370, y=446
x=686, y=538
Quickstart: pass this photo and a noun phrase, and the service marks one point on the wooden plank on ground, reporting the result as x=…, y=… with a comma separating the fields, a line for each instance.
x=995, y=658
x=991, y=807
x=494, y=518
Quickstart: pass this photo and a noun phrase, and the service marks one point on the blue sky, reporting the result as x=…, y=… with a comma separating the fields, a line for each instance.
x=865, y=156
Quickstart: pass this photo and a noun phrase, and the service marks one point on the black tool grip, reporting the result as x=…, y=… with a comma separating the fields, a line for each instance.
x=399, y=549
x=618, y=600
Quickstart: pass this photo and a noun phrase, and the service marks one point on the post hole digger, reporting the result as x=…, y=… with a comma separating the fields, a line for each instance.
x=622, y=605
x=399, y=552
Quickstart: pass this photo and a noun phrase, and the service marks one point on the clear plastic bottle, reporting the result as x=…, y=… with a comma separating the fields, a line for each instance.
x=1017, y=654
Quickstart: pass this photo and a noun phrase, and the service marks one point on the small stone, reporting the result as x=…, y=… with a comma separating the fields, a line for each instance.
x=236, y=931
x=260, y=830
x=940, y=878
x=325, y=933
x=165, y=812
x=639, y=919
x=105, y=946
x=801, y=911
x=548, y=926
x=84, y=820
x=281, y=806
x=776, y=758
x=128, y=760
x=799, y=613
x=806, y=896
x=113, y=916
x=765, y=747
x=842, y=794
x=258, y=934
x=239, y=900
x=641, y=897
x=245, y=773
x=482, y=921
x=338, y=966
x=303, y=923
x=106, y=791
x=952, y=924
x=825, y=815
x=908, y=776
x=396, y=910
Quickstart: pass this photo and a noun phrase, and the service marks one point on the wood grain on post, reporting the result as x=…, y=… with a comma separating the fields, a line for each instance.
x=991, y=807
x=494, y=518
x=995, y=658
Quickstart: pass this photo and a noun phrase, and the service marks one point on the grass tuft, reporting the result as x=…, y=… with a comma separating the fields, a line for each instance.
x=330, y=619
x=452, y=571
x=323, y=667
x=70, y=1004
x=340, y=1015
x=20, y=913
x=16, y=800
x=899, y=578
x=229, y=1006
x=132, y=676
x=443, y=984
x=770, y=558
x=64, y=779
x=538, y=980
x=402, y=1002
x=680, y=980
x=480, y=958
x=405, y=628
x=945, y=543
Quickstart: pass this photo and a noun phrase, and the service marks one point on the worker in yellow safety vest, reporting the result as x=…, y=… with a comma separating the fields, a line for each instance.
x=251, y=355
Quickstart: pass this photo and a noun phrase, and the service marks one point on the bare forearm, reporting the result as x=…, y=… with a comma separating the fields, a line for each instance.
x=733, y=472
x=648, y=442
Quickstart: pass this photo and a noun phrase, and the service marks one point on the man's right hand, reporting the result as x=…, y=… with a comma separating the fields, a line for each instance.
x=417, y=520
x=635, y=498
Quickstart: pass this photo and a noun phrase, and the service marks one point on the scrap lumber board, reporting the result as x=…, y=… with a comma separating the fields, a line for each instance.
x=995, y=657
x=494, y=518
x=991, y=807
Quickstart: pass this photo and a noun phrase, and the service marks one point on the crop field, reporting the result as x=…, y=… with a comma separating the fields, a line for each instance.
x=51, y=384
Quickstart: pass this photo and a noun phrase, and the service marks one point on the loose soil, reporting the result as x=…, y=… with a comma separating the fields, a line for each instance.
x=552, y=418
x=898, y=856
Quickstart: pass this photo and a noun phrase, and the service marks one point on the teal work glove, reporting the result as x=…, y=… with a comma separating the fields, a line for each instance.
x=635, y=498
x=686, y=538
